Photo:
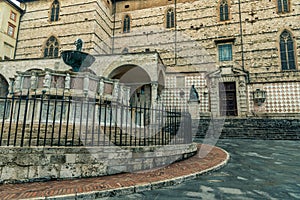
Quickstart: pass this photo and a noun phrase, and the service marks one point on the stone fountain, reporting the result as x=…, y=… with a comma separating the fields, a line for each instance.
x=77, y=59
x=78, y=82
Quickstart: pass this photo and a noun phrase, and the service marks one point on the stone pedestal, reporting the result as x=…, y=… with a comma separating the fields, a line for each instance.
x=194, y=109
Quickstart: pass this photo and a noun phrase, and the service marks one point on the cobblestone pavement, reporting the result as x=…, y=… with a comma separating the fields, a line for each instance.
x=258, y=169
x=126, y=183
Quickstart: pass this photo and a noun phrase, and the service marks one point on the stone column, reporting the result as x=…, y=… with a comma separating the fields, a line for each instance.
x=67, y=81
x=86, y=85
x=11, y=85
x=121, y=93
x=194, y=103
x=101, y=87
x=116, y=91
x=17, y=85
x=214, y=98
x=154, y=87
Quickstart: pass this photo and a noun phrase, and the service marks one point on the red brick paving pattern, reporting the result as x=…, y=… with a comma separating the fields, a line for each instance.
x=186, y=167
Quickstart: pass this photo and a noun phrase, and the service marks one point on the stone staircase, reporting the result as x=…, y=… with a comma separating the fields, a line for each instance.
x=248, y=128
x=70, y=135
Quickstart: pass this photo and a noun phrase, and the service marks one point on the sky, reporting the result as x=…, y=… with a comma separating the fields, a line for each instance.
x=16, y=2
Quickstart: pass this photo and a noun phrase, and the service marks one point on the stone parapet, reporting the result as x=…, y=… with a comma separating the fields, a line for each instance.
x=19, y=164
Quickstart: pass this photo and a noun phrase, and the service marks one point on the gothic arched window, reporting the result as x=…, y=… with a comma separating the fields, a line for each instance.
x=224, y=10
x=287, y=51
x=54, y=15
x=51, y=48
x=283, y=6
x=170, y=23
x=126, y=24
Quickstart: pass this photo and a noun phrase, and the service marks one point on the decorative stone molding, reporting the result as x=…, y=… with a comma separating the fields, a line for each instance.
x=228, y=74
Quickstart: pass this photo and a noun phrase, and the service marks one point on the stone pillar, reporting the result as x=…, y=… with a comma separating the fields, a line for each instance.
x=242, y=95
x=11, y=85
x=67, y=81
x=194, y=103
x=154, y=87
x=127, y=95
x=101, y=87
x=121, y=93
x=18, y=83
x=116, y=91
x=214, y=98
x=194, y=109
x=86, y=85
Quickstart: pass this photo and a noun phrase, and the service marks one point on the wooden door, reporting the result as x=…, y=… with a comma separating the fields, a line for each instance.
x=227, y=94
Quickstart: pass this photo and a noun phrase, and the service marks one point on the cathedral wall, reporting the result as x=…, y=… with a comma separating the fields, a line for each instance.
x=89, y=20
x=190, y=49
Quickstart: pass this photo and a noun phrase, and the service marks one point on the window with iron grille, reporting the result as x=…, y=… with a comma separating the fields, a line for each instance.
x=51, y=48
x=287, y=51
x=225, y=52
x=55, y=8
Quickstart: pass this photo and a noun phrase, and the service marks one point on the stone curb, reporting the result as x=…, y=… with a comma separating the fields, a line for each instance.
x=136, y=188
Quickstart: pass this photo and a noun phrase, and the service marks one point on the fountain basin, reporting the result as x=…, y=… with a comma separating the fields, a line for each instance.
x=77, y=59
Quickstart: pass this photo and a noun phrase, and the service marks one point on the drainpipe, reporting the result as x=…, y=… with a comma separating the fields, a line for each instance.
x=175, y=37
x=241, y=35
x=242, y=43
x=114, y=26
x=17, y=37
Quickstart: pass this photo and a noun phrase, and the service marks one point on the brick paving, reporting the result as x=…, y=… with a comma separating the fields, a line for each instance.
x=189, y=167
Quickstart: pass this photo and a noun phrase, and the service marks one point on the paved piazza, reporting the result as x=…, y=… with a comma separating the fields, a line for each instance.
x=258, y=169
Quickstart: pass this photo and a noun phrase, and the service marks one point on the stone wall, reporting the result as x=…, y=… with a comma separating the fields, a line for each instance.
x=89, y=20
x=198, y=24
x=20, y=164
x=190, y=49
x=279, y=128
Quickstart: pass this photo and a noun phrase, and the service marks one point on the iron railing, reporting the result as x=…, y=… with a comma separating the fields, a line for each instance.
x=37, y=120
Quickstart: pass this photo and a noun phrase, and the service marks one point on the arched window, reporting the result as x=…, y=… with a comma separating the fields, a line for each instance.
x=126, y=24
x=3, y=86
x=224, y=10
x=283, y=6
x=287, y=51
x=54, y=11
x=51, y=48
x=170, y=23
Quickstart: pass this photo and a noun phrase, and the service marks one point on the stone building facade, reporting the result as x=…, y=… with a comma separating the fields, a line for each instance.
x=242, y=56
x=9, y=24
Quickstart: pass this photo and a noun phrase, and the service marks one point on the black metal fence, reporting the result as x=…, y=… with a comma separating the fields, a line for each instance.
x=37, y=120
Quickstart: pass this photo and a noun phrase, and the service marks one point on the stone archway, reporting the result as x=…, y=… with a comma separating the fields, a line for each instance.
x=138, y=80
x=142, y=71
